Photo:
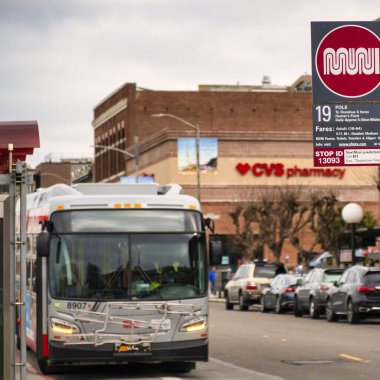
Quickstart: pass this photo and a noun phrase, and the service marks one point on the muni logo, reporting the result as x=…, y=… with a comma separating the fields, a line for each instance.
x=351, y=61
x=348, y=61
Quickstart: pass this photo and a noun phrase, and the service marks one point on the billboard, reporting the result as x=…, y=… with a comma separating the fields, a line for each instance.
x=187, y=157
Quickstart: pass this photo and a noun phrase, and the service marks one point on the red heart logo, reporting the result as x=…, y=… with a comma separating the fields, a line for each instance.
x=242, y=168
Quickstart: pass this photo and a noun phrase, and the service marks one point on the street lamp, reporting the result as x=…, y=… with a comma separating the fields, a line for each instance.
x=136, y=156
x=197, y=140
x=352, y=213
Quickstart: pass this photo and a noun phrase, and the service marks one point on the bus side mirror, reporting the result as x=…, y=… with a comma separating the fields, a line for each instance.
x=215, y=251
x=210, y=224
x=43, y=243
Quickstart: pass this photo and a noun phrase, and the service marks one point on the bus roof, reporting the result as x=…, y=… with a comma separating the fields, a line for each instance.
x=94, y=195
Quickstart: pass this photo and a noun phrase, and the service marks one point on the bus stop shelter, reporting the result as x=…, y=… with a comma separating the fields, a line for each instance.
x=17, y=140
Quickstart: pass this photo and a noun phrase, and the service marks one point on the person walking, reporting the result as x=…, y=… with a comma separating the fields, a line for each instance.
x=211, y=280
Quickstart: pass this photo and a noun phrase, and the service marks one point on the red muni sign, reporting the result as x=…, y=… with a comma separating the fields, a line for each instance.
x=347, y=61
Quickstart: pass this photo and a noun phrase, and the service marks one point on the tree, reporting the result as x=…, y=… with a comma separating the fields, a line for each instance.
x=329, y=226
x=248, y=237
x=266, y=221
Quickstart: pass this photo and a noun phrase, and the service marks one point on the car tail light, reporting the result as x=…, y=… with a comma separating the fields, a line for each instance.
x=251, y=286
x=290, y=290
x=324, y=288
x=366, y=289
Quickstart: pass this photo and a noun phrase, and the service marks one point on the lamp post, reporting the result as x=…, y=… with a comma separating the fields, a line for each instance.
x=197, y=140
x=352, y=213
x=136, y=156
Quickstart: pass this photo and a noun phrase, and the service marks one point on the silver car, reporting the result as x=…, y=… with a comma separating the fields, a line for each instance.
x=245, y=288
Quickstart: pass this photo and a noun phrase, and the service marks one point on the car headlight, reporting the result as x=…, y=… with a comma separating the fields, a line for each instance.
x=63, y=327
x=194, y=325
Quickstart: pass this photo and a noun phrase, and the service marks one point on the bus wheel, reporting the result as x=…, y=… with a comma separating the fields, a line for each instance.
x=178, y=367
x=46, y=368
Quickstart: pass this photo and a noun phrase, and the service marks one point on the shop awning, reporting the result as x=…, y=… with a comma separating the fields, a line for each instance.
x=24, y=137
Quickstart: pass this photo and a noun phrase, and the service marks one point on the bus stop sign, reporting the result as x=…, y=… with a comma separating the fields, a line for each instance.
x=346, y=93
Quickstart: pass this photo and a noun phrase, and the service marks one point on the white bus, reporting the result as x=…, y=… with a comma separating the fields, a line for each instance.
x=116, y=274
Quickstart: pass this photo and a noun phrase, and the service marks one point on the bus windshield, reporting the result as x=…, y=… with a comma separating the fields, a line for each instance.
x=122, y=266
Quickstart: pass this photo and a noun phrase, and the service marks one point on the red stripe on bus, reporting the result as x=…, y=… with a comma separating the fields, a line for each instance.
x=45, y=346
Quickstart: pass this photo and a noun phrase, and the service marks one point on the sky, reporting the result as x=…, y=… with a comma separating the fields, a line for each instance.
x=60, y=58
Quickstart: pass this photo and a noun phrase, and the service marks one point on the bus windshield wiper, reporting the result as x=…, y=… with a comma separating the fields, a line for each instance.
x=148, y=280
x=106, y=289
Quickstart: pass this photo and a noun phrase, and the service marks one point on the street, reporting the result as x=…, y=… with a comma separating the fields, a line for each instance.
x=253, y=345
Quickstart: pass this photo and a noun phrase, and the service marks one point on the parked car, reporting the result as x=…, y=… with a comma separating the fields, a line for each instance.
x=279, y=296
x=310, y=298
x=244, y=289
x=356, y=295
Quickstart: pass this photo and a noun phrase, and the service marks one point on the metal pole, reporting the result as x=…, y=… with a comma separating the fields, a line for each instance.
x=137, y=157
x=21, y=173
x=198, y=164
x=196, y=127
x=12, y=273
x=353, y=231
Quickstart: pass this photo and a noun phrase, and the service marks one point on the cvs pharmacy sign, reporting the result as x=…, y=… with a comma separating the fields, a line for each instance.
x=265, y=169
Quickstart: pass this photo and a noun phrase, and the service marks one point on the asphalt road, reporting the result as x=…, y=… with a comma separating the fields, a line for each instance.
x=252, y=345
x=295, y=348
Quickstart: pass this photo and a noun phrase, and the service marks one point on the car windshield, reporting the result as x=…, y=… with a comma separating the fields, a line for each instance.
x=372, y=279
x=127, y=266
x=267, y=271
x=331, y=276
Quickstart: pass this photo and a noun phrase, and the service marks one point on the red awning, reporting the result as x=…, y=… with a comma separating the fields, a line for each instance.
x=23, y=135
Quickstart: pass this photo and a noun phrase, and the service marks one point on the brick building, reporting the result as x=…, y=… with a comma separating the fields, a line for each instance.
x=263, y=136
x=58, y=168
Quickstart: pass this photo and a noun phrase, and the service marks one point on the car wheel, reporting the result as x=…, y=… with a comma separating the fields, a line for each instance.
x=242, y=305
x=279, y=309
x=330, y=315
x=262, y=303
x=297, y=311
x=229, y=305
x=353, y=316
x=313, y=309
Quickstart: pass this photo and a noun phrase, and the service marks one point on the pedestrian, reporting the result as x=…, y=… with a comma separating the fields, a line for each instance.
x=211, y=279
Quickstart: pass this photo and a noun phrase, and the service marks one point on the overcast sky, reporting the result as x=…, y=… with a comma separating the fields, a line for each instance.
x=59, y=58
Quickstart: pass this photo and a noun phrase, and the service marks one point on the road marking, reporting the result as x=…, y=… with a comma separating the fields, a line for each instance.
x=250, y=371
x=354, y=358
x=266, y=336
x=284, y=340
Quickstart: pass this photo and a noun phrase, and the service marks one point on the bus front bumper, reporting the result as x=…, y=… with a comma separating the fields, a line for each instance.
x=192, y=350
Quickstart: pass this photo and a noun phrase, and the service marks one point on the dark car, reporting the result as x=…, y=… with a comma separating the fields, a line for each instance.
x=310, y=298
x=356, y=295
x=279, y=296
x=244, y=289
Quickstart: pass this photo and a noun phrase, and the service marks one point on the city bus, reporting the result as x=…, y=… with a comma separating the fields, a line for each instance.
x=116, y=274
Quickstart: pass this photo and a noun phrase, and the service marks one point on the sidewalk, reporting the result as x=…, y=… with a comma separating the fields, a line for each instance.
x=214, y=298
x=33, y=372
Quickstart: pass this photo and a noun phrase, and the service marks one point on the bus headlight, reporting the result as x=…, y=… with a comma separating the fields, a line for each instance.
x=64, y=327
x=195, y=325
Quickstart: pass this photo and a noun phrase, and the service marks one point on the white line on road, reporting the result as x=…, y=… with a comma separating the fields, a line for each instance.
x=246, y=370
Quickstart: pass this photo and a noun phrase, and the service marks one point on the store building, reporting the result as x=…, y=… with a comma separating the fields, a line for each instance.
x=252, y=138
